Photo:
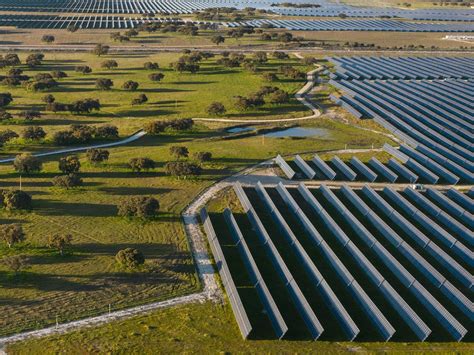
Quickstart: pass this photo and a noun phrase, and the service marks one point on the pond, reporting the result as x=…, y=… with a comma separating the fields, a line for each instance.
x=299, y=132
x=239, y=129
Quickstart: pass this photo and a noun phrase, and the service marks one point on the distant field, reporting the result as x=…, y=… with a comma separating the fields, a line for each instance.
x=206, y=328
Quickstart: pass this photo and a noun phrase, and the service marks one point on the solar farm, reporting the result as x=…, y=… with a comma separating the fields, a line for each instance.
x=104, y=14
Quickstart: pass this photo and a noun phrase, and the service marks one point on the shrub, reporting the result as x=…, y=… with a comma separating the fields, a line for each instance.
x=4, y=115
x=216, y=108
x=139, y=164
x=97, y=155
x=16, y=200
x=33, y=132
x=48, y=99
x=15, y=262
x=100, y=50
x=270, y=77
x=130, y=85
x=104, y=84
x=182, y=168
x=60, y=242
x=7, y=135
x=138, y=206
x=179, y=152
x=141, y=99
x=12, y=234
x=67, y=181
x=47, y=39
x=27, y=163
x=130, y=257
x=5, y=99
x=156, y=76
x=202, y=156
x=84, y=69
x=29, y=115
x=106, y=131
x=151, y=66
x=69, y=164
x=109, y=64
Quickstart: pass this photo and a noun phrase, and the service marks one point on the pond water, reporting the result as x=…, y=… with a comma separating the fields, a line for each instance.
x=299, y=132
x=239, y=129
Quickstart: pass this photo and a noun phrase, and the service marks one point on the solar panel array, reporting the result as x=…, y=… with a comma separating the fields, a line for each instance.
x=327, y=8
x=357, y=25
x=425, y=101
x=380, y=261
x=408, y=166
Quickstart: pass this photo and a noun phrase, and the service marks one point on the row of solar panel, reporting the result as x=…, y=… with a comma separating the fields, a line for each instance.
x=403, y=249
x=83, y=22
x=357, y=25
x=327, y=9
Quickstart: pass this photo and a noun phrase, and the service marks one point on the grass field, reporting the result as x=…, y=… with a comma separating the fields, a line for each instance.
x=177, y=96
x=206, y=328
x=87, y=281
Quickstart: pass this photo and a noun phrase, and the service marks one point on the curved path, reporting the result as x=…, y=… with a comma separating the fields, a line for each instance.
x=127, y=140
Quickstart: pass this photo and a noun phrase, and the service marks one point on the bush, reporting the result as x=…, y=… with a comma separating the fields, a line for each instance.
x=5, y=99
x=109, y=64
x=182, y=168
x=106, y=131
x=202, y=156
x=69, y=164
x=216, y=109
x=60, y=242
x=12, y=234
x=104, y=84
x=130, y=257
x=7, y=135
x=141, y=99
x=57, y=74
x=84, y=69
x=151, y=66
x=67, y=181
x=270, y=77
x=139, y=164
x=97, y=155
x=26, y=163
x=15, y=262
x=48, y=99
x=156, y=76
x=130, y=85
x=33, y=132
x=138, y=206
x=16, y=200
x=179, y=152
x=156, y=127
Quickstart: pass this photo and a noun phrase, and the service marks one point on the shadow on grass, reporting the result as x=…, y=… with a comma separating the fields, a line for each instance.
x=126, y=191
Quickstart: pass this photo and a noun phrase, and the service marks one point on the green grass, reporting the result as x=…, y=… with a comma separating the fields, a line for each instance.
x=178, y=96
x=85, y=282
x=207, y=328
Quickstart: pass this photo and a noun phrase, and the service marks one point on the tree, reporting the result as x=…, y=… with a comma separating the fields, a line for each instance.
x=7, y=135
x=67, y=181
x=260, y=57
x=34, y=59
x=12, y=234
x=151, y=66
x=100, y=50
x=33, y=133
x=12, y=59
x=47, y=39
x=182, y=168
x=202, y=156
x=27, y=163
x=217, y=39
x=106, y=131
x=109, y=64
x=29, y=115
x=16, y=200
x=139, y=164
x=270, y=77
x=104, y=84
x=48, y=99
x=97, y=155
x=60, y=242
x=84, y=106
x=278, y=97
x=72, y=28
x=130, y=258
x=15, y=262
x=141, y=99
x=5, y=99
x=216, y=109
x=280, y=55
x=4, y=115
x=69, y=164
x=138, y=206
x=156, y=76
x=84, y=69
x=131, y=33
x=179, y=152
x=130, y=85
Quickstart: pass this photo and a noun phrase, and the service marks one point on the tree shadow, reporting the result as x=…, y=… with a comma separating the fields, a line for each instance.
x=60, y=208
x=126, y=191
